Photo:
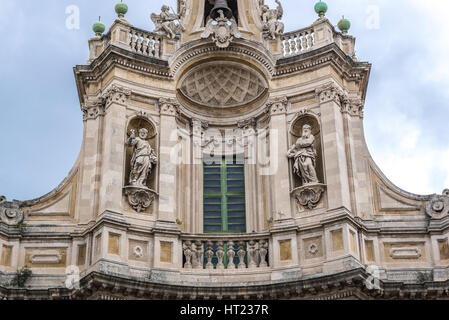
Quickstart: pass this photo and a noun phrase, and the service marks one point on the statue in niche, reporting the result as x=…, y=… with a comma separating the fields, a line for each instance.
x=304, y=154
x=165, y=22
x=270, y=19
x=143, y=159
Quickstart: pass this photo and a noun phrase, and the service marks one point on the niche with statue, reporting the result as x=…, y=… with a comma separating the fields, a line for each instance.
x=306, y=161
x=141, y=163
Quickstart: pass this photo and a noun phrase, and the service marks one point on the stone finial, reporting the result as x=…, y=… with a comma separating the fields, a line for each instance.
x=344, y=25
x=99, y=28
x=121, y=9
x=321, y=8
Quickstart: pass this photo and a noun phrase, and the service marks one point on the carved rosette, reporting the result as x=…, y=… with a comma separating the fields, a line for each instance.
x=438, y=206
x=309, y=196
x=277, y=106
x=116, y=94
x=11, y=213
x=93, y=108
x=168, y=107
x=140, y=199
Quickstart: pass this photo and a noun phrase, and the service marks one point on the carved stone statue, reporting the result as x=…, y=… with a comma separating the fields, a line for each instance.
x=142, y=160
x=165, y=22
x=304, y=153
x=270, y=20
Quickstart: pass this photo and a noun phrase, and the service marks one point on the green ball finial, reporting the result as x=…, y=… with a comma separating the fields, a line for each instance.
x=344, y=25
x=121, y=9
x=99, y=28
x=321, y=8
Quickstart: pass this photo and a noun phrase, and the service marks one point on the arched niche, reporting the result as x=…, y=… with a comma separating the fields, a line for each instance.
x=141, y=122
x=295, y=133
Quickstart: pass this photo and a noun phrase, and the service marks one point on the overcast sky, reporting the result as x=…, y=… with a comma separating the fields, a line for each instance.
x=406, y=113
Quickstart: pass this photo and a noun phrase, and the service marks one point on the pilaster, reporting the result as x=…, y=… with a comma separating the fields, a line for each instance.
x=167, y=169
x=335, y=160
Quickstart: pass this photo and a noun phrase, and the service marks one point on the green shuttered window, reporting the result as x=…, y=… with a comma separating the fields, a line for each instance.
x=224, y=196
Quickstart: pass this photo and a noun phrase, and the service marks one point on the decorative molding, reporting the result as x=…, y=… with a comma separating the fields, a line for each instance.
x=116, y=94
x=438, y=206
x=168, y=106
x=11, y=213
x=277, y=106
x=397, y=204
x=46, y=258
x=405, y=253
x=309, y=196
x=140, y=198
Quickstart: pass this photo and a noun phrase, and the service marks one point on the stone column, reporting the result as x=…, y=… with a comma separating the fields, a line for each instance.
x=278, y=158
x=334, y=150
x=167, y=167
x=112, y=167
x=94, y=110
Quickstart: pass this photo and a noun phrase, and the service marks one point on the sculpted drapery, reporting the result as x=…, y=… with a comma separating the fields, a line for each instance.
x=143, y=159
x=304, y=154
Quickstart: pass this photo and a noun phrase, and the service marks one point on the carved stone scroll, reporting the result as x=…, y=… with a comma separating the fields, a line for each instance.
x=309, y=196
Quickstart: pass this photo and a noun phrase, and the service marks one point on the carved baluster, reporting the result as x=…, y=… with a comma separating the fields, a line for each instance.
x=187, y=246
x=231, y=255
x=157, y=47
x=292, y=45
x=139, y=42
x=220, y=255
x=241, y=253
x=209, y=255
x=133, y=40
x=199, y=255
x=263, y=250
x=145, y=44
x=252, y=251
x=302, y=42
x=309, y=40
x=151, y=46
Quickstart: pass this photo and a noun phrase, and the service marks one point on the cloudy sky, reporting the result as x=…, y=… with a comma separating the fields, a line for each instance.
x=407, y=107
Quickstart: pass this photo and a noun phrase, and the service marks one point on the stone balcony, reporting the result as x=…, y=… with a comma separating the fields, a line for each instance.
x=123, y=35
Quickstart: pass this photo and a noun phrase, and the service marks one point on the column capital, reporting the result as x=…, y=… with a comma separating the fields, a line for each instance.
x=277, y=106
x=329, y=92
x=168, y=106
x=93, y=107
x=352, y=106
x=116, y=94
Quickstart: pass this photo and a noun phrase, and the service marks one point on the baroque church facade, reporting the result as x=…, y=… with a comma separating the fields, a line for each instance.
x=224, y=158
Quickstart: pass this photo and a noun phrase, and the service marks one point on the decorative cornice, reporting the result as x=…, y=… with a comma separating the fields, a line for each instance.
x=168, y=106
x=116, y=94
x=277, y=106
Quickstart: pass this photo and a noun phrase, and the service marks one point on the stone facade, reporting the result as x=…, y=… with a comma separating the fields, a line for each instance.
x=156, y=106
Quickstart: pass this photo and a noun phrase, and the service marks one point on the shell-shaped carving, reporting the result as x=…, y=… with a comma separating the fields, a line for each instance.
x=222, y=84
